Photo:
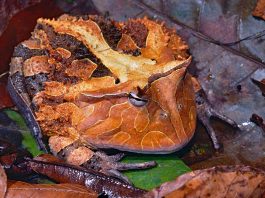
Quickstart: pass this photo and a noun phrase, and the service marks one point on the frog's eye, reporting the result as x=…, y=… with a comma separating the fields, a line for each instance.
x=136, y=100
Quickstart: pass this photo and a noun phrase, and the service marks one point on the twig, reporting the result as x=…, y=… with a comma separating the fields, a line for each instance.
x=3, y=74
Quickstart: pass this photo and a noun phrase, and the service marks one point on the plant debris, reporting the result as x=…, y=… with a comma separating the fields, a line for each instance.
x=216, y=182
x=259, y=10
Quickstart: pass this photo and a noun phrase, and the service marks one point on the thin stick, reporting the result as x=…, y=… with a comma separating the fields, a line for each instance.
x=3, y=74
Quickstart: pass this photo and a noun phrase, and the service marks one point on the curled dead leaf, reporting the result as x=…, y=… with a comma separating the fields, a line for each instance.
x=3, y=180
x=18, y=189
x=222, y=181
x=259, y=10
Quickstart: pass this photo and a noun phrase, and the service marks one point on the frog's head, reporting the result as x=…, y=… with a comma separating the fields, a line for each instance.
x=144, y=104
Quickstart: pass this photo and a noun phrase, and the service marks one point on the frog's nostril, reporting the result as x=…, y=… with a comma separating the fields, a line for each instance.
x=179, y=107
x=136, y=100
x=163, y=115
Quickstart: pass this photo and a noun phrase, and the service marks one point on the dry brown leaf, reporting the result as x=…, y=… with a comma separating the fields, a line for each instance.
x=3, y=180
x=259, y=10
x=223, y=181
x=22, y=189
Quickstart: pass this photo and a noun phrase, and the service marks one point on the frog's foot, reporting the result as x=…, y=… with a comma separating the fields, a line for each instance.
x=78, y=153
x=111, y=166
x=205, y=112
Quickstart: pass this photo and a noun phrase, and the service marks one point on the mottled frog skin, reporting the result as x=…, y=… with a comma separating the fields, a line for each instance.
x=97, y=83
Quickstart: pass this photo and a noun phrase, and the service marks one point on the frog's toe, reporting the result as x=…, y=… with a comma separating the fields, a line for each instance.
x=133, y=166
x=112, y=162
x=110, y=158
x=118, y=175
x=114, y=168
x=210, y=131
x=213, y=113
x=111, y=166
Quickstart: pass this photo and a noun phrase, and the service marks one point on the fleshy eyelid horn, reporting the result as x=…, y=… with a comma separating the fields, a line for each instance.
x=138, y=99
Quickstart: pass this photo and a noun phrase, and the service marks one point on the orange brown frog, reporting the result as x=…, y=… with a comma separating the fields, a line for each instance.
x=91, y=83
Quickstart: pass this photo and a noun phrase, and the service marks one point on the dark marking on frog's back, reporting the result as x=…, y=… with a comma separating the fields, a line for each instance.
x=110, y=32
x=77, y=48
x=26, y=53
x=34, y=84
x=137, y=31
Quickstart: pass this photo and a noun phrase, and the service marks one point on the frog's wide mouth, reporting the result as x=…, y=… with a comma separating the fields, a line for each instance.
x=158, y=151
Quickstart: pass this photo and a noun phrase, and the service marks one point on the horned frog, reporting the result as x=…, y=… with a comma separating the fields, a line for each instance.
x=91, y=83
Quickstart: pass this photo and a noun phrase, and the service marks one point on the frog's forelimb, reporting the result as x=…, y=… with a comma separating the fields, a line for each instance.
x=205, y=112
x=107, y=164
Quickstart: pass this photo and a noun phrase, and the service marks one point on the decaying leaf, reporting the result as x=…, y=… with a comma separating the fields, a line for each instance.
x=223, y=181
x=3, y=180
x=17, y=189
x=259, y=10
x=10, y=8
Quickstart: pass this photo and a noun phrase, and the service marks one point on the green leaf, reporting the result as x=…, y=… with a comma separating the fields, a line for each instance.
x=28, y=141
x=169, y=167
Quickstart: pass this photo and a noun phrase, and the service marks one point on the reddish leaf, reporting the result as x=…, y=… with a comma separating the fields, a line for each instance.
x=3, y=181
x=223, y=181
x=17, y=189
x=9, y=8
x=259, y=10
